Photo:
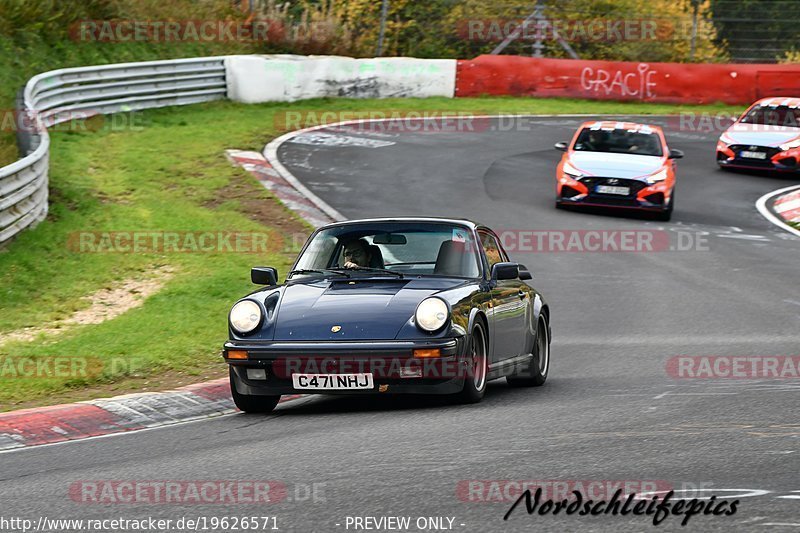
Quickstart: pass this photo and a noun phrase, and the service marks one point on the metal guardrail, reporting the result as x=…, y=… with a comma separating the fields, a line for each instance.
x=62, y=95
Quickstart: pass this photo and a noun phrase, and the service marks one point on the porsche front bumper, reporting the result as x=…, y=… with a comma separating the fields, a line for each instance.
x=393, y=364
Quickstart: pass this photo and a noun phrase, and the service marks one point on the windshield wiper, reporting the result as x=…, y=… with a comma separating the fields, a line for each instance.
x=321, y=271
x=384, y=270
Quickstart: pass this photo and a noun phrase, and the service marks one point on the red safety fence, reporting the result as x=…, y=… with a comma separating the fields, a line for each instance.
x=618, y=80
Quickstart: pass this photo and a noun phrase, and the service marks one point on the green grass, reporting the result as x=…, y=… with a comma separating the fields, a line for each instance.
x=164, y=176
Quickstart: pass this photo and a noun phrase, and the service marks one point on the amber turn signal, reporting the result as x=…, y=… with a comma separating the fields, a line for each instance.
x=420, y=353
x=236, y=354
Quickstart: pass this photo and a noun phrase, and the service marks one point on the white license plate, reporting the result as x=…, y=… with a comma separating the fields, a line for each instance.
x=753, y=155
x=332, y=381
x=610, y=189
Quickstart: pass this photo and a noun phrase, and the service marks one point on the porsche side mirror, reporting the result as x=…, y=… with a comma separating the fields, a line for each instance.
x=501, y=271
x=675, y=154
x=524, y=273
x=562, y=146
x=264, y=275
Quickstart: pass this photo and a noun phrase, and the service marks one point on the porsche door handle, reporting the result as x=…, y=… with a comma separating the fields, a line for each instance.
x=522, y=294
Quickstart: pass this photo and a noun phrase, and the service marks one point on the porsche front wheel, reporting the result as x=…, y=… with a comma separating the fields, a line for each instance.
x=477, y=367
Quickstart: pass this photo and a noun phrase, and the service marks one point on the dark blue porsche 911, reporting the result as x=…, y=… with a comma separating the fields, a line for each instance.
x=394, y=305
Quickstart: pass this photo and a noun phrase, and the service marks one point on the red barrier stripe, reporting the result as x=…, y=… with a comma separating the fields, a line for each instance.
x=619, y=80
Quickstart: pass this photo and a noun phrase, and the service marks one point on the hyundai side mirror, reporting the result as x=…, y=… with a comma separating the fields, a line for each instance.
x=675, y=154
x=264, y=275
x=562, y=146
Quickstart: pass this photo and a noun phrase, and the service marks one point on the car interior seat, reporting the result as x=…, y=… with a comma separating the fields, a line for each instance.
x=376, y=261
x=450, y=260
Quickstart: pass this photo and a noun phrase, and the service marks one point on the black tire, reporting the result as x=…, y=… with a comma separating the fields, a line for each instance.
x=478, y=371
x=534, y=373
x=666, y=214
x=252, y=404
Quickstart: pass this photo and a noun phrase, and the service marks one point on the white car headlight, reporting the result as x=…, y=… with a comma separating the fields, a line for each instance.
x=571, y=171
x=245, y=316
x=432, y=314
x=661, y=175
x=791, y=144
x=726, y=139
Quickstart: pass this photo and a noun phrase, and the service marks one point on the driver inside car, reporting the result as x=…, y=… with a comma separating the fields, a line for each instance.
x=357, y=254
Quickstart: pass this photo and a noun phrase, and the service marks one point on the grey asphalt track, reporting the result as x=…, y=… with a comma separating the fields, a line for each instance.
x=610, y=409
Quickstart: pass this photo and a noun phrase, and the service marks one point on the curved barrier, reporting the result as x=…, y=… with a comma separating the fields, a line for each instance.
x=619, y=80
x=67, y=94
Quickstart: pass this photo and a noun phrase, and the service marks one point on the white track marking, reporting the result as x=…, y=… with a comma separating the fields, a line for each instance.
x=761, y=205
x=744, y=493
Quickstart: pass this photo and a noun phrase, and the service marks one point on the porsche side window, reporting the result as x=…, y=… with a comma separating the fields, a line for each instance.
x=492, y=248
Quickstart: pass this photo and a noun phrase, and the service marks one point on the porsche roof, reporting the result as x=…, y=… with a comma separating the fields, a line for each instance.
x=460, y=221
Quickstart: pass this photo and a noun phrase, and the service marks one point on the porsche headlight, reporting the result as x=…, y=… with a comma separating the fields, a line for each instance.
x=661, y=175
x=245, y=316
x=791, y=144
x=432, y=314
x=571, y=171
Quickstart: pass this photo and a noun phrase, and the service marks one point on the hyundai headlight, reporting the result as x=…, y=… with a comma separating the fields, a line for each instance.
x=726, y=139
x=571, y=171
x=432, y=314
x=661, y=175
x=245, y=316
x=791, y=144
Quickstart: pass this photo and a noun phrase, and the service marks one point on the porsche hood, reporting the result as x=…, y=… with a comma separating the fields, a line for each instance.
x=346, y=310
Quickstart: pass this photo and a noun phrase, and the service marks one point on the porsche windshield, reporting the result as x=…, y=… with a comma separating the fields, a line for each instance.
x=409, y=248
x=619, y=141
x=773, y=116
